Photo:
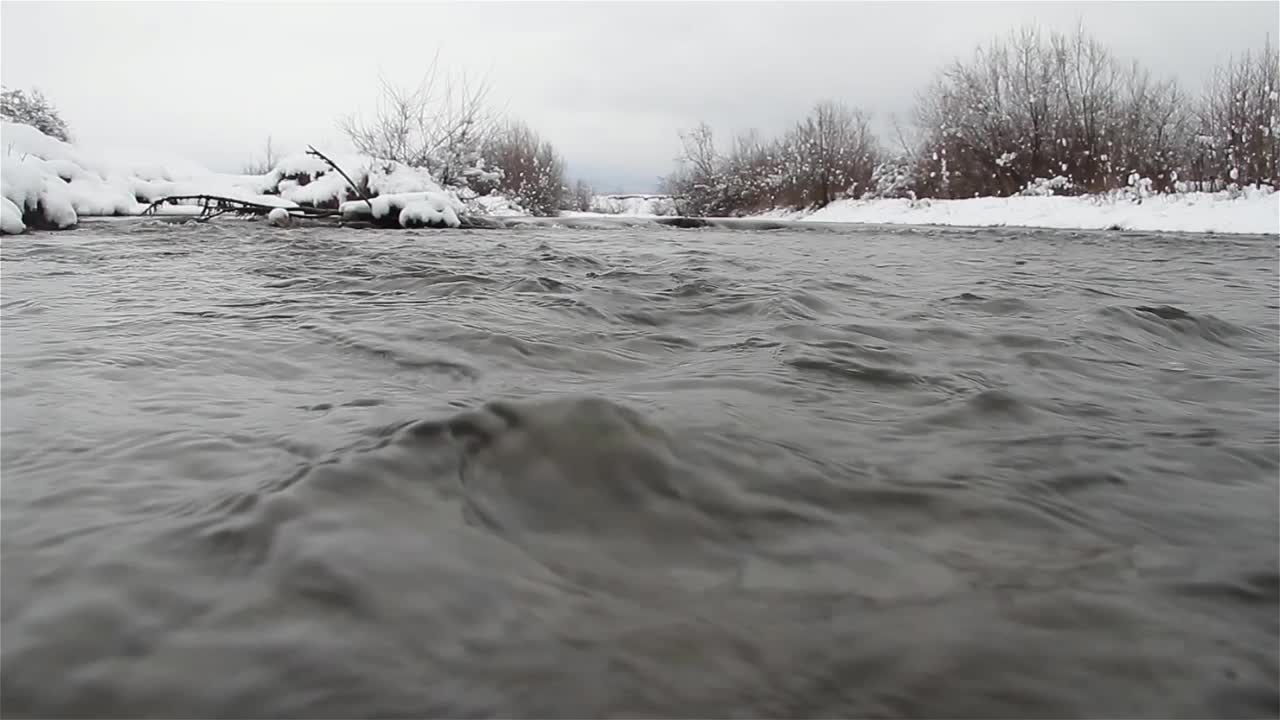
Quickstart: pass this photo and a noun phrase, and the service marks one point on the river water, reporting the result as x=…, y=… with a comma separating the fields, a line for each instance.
x=642, y=472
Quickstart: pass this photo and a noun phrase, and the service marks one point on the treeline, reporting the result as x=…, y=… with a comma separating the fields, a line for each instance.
x=826, y=156
x=1030, y=113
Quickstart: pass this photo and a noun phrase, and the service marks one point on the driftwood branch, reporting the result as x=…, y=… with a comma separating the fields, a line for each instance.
x=314, y=152
x=214, y=205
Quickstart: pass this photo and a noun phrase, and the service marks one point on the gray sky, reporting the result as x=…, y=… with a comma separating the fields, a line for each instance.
x=609, y=83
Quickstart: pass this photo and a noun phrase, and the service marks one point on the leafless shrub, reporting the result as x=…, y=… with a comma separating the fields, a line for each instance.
x=531, y=171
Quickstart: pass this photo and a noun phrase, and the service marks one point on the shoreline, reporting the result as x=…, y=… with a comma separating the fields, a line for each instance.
x=585, y=221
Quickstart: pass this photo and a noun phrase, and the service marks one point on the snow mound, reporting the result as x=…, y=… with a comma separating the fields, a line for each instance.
x=35, y=188
x=428, y=213
x=1253, y=210
x=10, y=218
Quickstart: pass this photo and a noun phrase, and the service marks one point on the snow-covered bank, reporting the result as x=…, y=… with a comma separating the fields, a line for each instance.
x=1249, y=211
x=638, y=205
x=48, y=183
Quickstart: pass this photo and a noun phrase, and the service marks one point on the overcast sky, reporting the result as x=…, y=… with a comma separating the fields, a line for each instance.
x=609, y=83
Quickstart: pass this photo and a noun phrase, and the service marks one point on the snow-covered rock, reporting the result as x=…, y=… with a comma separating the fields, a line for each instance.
x=428, y=213
x=280, y=217
x=419, y=209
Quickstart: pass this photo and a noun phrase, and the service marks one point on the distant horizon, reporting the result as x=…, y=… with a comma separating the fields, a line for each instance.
x=609, y=84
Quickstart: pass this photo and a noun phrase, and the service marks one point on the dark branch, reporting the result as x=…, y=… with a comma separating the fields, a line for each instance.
x=226, y=204
x=312, y=151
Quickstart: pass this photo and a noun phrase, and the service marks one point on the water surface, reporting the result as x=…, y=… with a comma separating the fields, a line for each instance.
x=638, y=472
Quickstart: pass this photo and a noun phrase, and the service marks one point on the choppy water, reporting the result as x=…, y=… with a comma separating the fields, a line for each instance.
x=639, y=472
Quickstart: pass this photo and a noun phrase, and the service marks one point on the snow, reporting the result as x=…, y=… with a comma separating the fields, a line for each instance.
x=325, y=187
x=637, y=205
x=50, y=183
x=429, y=213
x=410, y=209
x=54, y=183
x=497, y=206
x=32, y=184
x=1253, y=210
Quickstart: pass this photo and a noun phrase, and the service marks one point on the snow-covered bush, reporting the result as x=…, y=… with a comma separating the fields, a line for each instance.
x=34, y=110
x=1046, y=187
x=1140, y=188
x=894, y=178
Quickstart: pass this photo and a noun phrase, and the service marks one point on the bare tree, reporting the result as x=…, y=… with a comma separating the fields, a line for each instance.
x=830, y=154
x=699, y=179
x=1239, y=119
x=441, y=124
x=582, y=196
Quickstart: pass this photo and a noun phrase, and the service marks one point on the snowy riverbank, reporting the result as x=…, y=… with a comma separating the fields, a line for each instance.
x=1251, y=210
x=51, y=184
x=1248, y=211
x=47, y=183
